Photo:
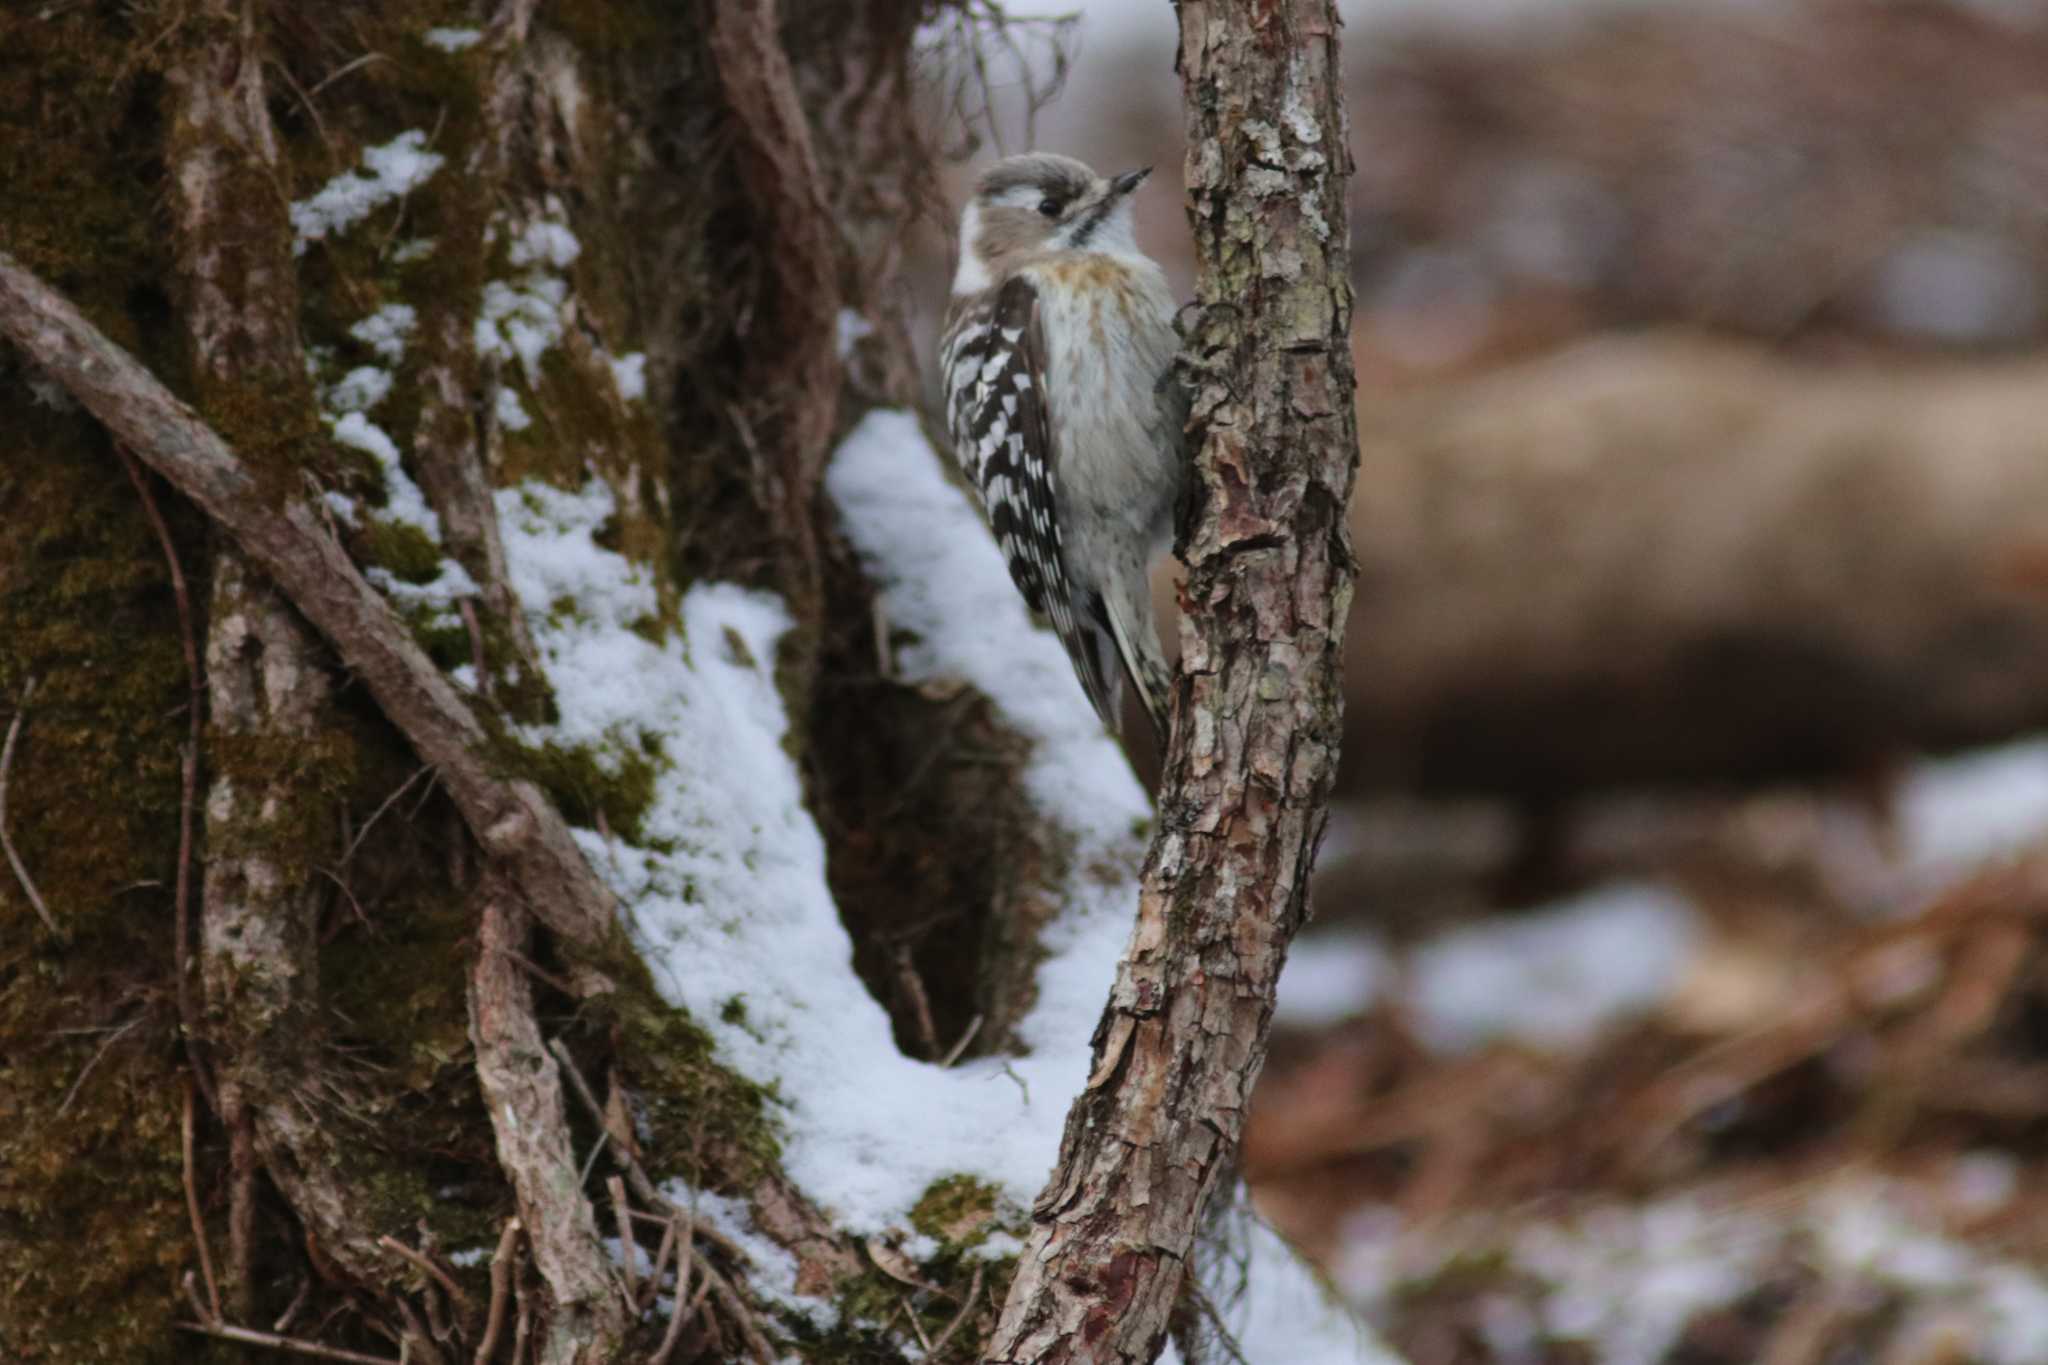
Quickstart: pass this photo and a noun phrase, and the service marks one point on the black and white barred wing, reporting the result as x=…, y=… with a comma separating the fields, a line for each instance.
x=993, y=362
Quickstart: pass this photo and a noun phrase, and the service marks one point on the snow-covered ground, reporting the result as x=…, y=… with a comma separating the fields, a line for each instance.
x=1552, y=976
x=1625, y=1280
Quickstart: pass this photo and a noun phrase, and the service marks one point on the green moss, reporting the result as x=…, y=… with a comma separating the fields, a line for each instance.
x=404, y=550
x=959, y=1210
x=585, y=786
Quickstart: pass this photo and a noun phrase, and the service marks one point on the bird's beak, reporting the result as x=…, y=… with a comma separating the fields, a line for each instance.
x=1128, y=181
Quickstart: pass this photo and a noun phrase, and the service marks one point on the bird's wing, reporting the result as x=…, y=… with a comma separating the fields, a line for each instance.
x=997, y=409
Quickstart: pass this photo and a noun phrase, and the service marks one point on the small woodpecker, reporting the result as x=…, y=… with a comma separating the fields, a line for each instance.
x=1064, y=411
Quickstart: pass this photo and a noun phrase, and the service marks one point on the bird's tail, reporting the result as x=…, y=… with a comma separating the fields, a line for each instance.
x=1137, y=645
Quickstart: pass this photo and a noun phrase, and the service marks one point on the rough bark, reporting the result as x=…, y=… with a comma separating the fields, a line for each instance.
x=1258, y=704
x=395, y=1080
x=510, y=817
x=267, y=691
x=523, y=1087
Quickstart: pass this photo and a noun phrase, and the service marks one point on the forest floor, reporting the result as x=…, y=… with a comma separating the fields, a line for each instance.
x=1768, y=1083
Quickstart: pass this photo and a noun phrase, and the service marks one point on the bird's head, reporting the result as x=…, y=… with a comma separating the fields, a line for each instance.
x=1039, y=202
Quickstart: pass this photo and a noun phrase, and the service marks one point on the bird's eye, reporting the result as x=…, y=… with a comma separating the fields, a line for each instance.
x=1049, y=207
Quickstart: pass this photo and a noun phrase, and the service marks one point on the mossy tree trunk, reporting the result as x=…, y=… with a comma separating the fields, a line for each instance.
x=322, y=1021
x=388, y=921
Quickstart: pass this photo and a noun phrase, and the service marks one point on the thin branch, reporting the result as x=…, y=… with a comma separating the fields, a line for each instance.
x=920, y=1001
x=98, y=1053
x=386, y=804
x=629, y=1257
x=916, y=1327
x=501, y=1284
x=251, y=1337
x=525, y=1319
x=651, y=1290
x=298, y=1302
x=674, y=1334
x=959, y=1318
x=188, y=795
x=429, y=1269
x=953, y=1052
x=28, y=885
x=192, y=1208
x=511, y=817
x=181, y=923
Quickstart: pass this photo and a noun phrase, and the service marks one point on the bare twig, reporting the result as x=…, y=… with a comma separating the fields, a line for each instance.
x=181, y=922
x=188, y=802
x=291, y=1310
x=916, y=1327
x=954, y=1052
x=590, y=1162
x=100, y=1052
x=736, y=1308
x=959, y=1318
x=674, y=1333
x=191, y=1286
x=251, y=1337
x=651, y=1291
x=629, y=1257
x=192, y=1208
x=386, y=804
x=920, y=1001
x=429, y=1269
x=685, y=1310
x=501, y=1285
x=524, y=1325
x=28, y=886
x=686, y=1254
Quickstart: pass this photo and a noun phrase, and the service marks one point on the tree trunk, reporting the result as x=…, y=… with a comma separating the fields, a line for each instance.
x=1154, y=1134
x=503, y=753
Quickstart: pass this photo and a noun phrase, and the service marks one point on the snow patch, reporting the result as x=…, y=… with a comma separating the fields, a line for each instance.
x=511, y=413
x=1330, y=977
x=359, y=390
x=387, y=330
x=1957, y=812
x=629, y=374
x=723, y=885
x=546, y=241
x=523, y=317
x=437, y=596
x=1272, y=1305
x=1956, y=288
x=1554, y=976
x=852, y=328
x=1626, y=1280
x=395, y=170
x=726, y=894
x=452, y=39
x=403, y=501
x=774, y=1269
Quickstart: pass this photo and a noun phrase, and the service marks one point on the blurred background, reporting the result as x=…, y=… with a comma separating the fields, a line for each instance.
x=1677, y=989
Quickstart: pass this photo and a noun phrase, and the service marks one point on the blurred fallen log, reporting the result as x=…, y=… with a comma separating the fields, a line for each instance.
x=1669, y=559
